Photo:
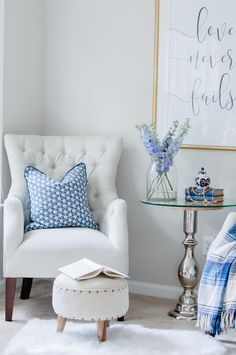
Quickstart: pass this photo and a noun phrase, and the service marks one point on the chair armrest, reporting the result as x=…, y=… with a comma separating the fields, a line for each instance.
x=228, y=223
x=13, y=225
x=114, y=225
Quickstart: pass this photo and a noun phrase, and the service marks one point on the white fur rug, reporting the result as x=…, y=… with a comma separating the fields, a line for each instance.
x=39, y=337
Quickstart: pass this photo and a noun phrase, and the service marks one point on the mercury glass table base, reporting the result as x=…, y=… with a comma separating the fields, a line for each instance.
x=186, y=308
x=182, y=316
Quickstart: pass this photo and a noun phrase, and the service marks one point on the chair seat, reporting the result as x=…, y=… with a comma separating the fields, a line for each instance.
x=44, y=251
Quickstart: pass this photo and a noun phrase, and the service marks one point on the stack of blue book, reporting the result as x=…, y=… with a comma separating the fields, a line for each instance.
x=199, y=194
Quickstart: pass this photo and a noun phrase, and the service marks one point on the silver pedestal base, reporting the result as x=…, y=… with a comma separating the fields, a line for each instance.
x=186, y=308
x=182, y=316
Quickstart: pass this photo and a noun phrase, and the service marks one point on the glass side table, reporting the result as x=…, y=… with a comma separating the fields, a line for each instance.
x=188, y=273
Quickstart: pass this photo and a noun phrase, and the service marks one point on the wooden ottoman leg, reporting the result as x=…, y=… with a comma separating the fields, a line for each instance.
x=102, y=330
x=61, y=322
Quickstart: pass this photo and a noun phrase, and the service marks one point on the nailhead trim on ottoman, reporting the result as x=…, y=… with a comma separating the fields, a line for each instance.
x=100, y=298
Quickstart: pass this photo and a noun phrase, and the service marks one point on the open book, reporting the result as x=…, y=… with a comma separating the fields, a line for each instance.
x=86, y=269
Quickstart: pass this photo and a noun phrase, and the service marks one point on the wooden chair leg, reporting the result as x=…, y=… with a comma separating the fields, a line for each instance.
x=121, y=319
x=61, y=322
x=102, y=330
x=9, y=297
x=26, y=288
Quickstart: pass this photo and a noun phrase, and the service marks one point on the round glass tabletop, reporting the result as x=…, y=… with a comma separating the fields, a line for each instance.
x=181, y=203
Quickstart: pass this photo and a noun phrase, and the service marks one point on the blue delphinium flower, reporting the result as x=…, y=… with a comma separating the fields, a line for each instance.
x=149, y=139
x=163, y=151
x=163, y=160
x=162, y=154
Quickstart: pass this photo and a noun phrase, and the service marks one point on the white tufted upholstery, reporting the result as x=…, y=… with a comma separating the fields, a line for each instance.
x=39, y=253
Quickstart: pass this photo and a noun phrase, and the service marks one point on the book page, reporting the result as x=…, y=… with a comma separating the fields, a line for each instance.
x=81, y=268
x=113, y=273
x=90, y=275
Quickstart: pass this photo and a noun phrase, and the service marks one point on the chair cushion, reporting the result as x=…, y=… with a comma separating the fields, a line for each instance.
x=43, y=251
x=62, y=203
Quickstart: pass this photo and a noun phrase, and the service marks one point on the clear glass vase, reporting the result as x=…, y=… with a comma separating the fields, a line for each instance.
x=162, y=178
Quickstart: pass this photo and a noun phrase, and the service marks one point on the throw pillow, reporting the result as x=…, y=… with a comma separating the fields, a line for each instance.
x=56, y=204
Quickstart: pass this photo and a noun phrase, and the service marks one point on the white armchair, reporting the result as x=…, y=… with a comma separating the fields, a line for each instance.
x=39, y=253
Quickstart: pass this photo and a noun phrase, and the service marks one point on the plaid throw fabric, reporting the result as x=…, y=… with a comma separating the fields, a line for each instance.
x=217, y=291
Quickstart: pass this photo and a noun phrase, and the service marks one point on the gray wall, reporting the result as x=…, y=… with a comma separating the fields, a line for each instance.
x=23, y=69
x=23, y=72
x=98, y=80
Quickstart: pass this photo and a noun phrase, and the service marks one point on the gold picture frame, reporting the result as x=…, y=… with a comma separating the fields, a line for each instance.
x=155, y=86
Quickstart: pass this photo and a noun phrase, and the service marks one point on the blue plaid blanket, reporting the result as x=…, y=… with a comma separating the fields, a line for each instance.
x=217, y=290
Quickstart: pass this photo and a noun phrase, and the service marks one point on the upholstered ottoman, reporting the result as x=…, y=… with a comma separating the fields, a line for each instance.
x=100, y=299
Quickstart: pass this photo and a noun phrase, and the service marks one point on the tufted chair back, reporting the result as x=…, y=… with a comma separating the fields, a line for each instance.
x=55, y=155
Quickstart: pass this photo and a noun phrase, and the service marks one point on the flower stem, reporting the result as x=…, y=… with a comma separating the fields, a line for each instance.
x=171, y=187
x=153, y=188
x=161, y=180
x=166, y=187
x=163, y=186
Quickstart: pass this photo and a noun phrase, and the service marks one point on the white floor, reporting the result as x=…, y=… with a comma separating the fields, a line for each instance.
x=148, y=311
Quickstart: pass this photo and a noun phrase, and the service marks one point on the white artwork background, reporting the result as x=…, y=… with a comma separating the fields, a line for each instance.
x=197, y=69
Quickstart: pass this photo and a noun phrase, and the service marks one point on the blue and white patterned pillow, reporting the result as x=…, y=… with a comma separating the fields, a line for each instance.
x=56, y=204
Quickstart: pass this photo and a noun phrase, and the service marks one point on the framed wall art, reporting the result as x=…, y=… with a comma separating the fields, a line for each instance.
x=195, y=70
